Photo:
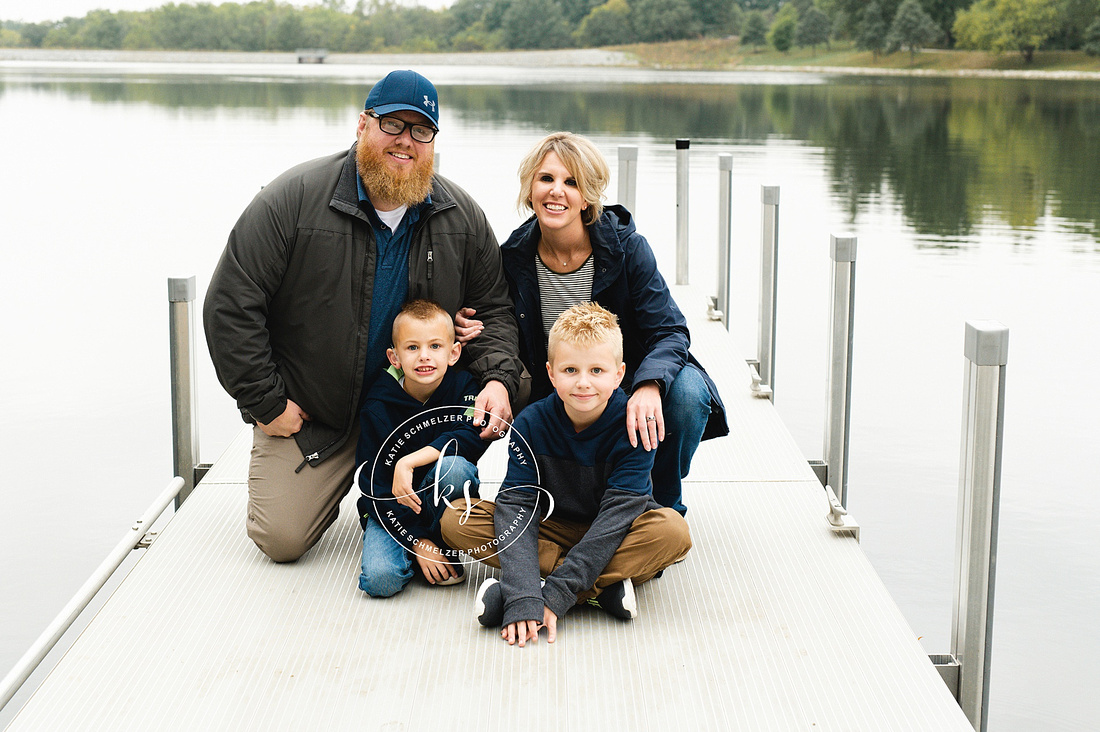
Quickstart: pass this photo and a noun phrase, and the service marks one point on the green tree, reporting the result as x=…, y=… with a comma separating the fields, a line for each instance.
x=1092, y=38
x=606, y=25
x=1074, y=17
x=845, y=14
x=101, y=29
x=754, y=31
x=535, y=24
x=34, y=33
x=1007, y=25
x=781, y=35
x=663, y=20
x=911, y=30
x=813, y=29
x=11, y=38
x=871, y=29
x=577, y=10
x=715, y=17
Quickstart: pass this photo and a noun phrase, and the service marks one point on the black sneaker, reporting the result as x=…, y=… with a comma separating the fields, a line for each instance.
x=618, y=600
x=489, y=604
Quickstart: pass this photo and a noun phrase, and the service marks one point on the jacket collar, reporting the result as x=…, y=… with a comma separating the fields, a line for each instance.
x=608, y=235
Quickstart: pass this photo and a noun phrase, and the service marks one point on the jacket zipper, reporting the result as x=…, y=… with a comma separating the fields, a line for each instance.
x=431, y=262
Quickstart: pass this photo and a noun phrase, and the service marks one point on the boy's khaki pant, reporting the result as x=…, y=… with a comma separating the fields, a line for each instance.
x=656, y=539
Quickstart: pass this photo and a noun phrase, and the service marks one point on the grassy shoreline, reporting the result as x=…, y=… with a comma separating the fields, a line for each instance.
x=722, y=54
x=695, y=55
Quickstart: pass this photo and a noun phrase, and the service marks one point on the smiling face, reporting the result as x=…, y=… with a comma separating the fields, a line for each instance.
x=396, y=169
x=423, y=350
x=585, y=378
x=556, y=198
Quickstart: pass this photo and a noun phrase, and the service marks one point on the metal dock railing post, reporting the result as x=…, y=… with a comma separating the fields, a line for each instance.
x=628, y=176
x=185, y=423
x=838, y=406
x=986, y=351
x=769, y=269
x=682, y=146
x=720, y=306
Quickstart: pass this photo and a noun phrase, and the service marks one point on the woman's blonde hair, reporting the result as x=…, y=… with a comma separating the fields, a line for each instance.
x=582, y=158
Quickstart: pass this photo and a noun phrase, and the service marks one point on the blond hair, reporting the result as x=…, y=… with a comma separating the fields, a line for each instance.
x=583, y=160
x=584, y=326
x=424, y=311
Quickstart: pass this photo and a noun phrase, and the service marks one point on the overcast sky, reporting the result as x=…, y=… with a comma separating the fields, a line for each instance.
x=35, y=11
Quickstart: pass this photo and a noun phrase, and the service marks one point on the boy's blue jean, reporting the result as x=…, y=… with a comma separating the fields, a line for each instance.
x=686, y=408
x=387, y=566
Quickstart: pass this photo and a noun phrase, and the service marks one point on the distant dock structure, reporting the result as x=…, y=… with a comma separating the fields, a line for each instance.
x=311, y=55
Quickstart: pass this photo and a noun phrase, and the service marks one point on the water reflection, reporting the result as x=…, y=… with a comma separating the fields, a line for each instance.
x=950, y=154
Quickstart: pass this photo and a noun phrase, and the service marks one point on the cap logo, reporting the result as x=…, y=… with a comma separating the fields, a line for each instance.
x=429, y=102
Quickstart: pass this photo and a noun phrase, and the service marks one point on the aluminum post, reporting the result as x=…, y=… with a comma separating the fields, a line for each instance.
x=769, y=266
x=986, y=351
x=682, y=146
x=185, y=423
x=725, y=235
x=839, y=402
x=628, y=176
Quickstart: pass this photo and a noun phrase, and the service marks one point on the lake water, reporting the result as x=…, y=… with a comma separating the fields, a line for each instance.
x=970, y=198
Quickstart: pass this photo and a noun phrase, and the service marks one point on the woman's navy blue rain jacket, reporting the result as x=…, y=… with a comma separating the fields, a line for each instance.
x=626, y=282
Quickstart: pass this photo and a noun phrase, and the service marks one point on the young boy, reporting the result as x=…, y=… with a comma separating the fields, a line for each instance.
x=602, y=532
x=418, y=414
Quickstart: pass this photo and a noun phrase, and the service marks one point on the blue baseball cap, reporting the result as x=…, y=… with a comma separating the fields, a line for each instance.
x=404, y=90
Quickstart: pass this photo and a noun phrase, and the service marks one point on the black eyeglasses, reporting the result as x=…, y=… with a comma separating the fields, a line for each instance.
x=395, y=126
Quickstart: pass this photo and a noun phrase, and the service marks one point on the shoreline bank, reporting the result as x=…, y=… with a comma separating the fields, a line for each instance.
x=561, y=58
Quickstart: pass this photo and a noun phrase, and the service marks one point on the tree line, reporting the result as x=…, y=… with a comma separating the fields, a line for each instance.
x=880, y=26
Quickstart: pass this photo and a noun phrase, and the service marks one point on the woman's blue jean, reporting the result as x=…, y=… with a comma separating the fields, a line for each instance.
x=387, y=566
x=686, y=408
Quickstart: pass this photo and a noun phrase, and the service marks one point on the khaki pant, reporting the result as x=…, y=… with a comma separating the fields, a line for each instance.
x=287, y=511
x=656, y=539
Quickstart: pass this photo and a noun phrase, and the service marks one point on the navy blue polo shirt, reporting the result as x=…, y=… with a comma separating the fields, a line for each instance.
x=391, y=280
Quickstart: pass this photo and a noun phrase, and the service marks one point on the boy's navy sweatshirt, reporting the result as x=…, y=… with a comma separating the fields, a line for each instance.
x=393, y=424
x=594, y=476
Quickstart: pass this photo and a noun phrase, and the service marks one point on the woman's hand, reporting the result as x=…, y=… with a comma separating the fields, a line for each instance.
x=467, y=329
x=644, y=416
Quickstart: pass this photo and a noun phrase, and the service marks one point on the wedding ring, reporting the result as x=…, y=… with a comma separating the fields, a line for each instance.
x=650, y=418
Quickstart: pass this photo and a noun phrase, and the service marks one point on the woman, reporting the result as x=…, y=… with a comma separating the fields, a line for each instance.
x=573, y=250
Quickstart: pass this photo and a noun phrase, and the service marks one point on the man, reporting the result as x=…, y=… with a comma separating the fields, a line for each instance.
x=300, y=307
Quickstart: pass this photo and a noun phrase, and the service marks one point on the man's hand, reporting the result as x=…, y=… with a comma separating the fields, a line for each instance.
x=645, y=417
x=402, y=485
x=467, y=329
x=286, y=424
x=433, y=565
x=494, y=409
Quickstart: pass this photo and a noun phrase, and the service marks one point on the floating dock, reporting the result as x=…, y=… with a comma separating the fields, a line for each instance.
x=773, y=622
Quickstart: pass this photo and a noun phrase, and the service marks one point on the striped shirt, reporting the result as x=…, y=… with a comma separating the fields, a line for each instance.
x=559, y=292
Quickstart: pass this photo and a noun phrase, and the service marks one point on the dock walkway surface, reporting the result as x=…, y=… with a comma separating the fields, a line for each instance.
x=773, y=622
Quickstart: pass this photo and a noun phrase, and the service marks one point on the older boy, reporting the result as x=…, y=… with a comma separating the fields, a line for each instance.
x=417, y=415
x=602, y=533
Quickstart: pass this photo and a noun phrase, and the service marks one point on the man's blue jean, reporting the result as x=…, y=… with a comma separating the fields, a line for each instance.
x=387, y=566
x=686, y=408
